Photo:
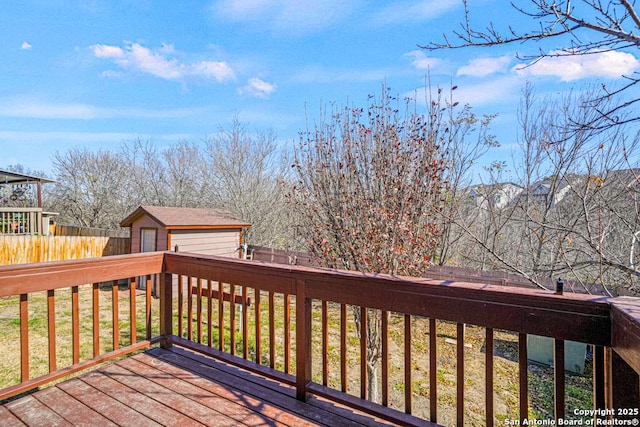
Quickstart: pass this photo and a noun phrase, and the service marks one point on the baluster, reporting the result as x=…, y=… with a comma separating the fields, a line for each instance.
x=559, y=386
x=190, y=308
x=245, y=323
x=488, y=389
x=460, y=374
x=363, y=352
x=51, y=328
x=133, y=311
x=199, y=310
x=148, y=305
x=407, y=364
x=325, y=343
x=232, y=317
x=221, y=316
x=258, y=328
x=343, y=348
x=523, y=377
x=272, y=330
x=287, y=333
x=209, y=313
x=180, y=306
x=303, y=341
x=96, y=319
x=24, y=337
x=115, y=320
x=433, y=372
x=385, y=358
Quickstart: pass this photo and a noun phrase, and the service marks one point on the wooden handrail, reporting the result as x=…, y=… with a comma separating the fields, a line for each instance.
x=27, y=278
x=24, y=279
x=575, y=317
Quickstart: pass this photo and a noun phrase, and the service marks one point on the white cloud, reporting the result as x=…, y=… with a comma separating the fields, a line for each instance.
x=500, y=90
x=567, y=67
x=413, y=11
x=481, y=67
x=286, y=16
x=423, y=62
x=161, y=63
x=492, y=92
x=257, y=88
x=25, y=45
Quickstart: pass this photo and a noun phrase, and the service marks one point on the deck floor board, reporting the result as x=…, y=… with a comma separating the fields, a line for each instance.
x=8, y=419
x=71, y=409
x=34, y=413
x=174, y=387
x=109, y=407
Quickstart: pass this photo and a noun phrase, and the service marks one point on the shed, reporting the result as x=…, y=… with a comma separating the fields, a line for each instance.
x=203, y=231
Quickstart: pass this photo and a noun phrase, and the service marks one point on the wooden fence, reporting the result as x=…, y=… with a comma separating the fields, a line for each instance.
x=74, y=230
x=437, y=272
x=279, y=256
x=26, y=249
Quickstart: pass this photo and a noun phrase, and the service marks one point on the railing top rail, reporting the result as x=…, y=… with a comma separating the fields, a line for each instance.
x=25, y=278
x=576, y=317
x=184, y=263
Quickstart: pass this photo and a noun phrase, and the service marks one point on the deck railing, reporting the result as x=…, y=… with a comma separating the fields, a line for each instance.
x=295, y=324
x=21, y=220
x=54, y=301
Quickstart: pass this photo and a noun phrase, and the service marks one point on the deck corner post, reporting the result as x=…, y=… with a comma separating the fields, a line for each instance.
x=166, y=306
x=625, y=385
x=303, y=341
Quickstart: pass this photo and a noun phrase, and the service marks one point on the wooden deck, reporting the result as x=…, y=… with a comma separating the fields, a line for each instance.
x=174, y=387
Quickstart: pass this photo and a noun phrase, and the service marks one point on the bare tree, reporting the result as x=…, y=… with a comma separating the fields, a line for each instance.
x=89, y=190
x=579, y=27
x=577, y=213
x=184, y=181
x=246, y=174
x=168, y=177
x=370, y=188
x=467, y=141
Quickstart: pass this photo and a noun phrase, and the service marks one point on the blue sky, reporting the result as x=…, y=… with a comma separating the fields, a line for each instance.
x=101, y=72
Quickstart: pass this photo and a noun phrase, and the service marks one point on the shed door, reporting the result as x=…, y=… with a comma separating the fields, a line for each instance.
x=148, y=240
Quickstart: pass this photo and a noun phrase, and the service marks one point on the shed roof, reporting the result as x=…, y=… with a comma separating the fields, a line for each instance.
x=185, y=218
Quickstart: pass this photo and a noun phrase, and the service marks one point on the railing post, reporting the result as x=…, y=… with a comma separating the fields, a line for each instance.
x=166, y=306
x=303, y=341
x=625, y=386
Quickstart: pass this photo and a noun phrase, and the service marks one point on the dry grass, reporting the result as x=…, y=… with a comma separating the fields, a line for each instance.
x=38, y=329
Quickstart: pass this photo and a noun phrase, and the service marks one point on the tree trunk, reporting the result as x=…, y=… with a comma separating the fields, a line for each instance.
x=372, y=386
